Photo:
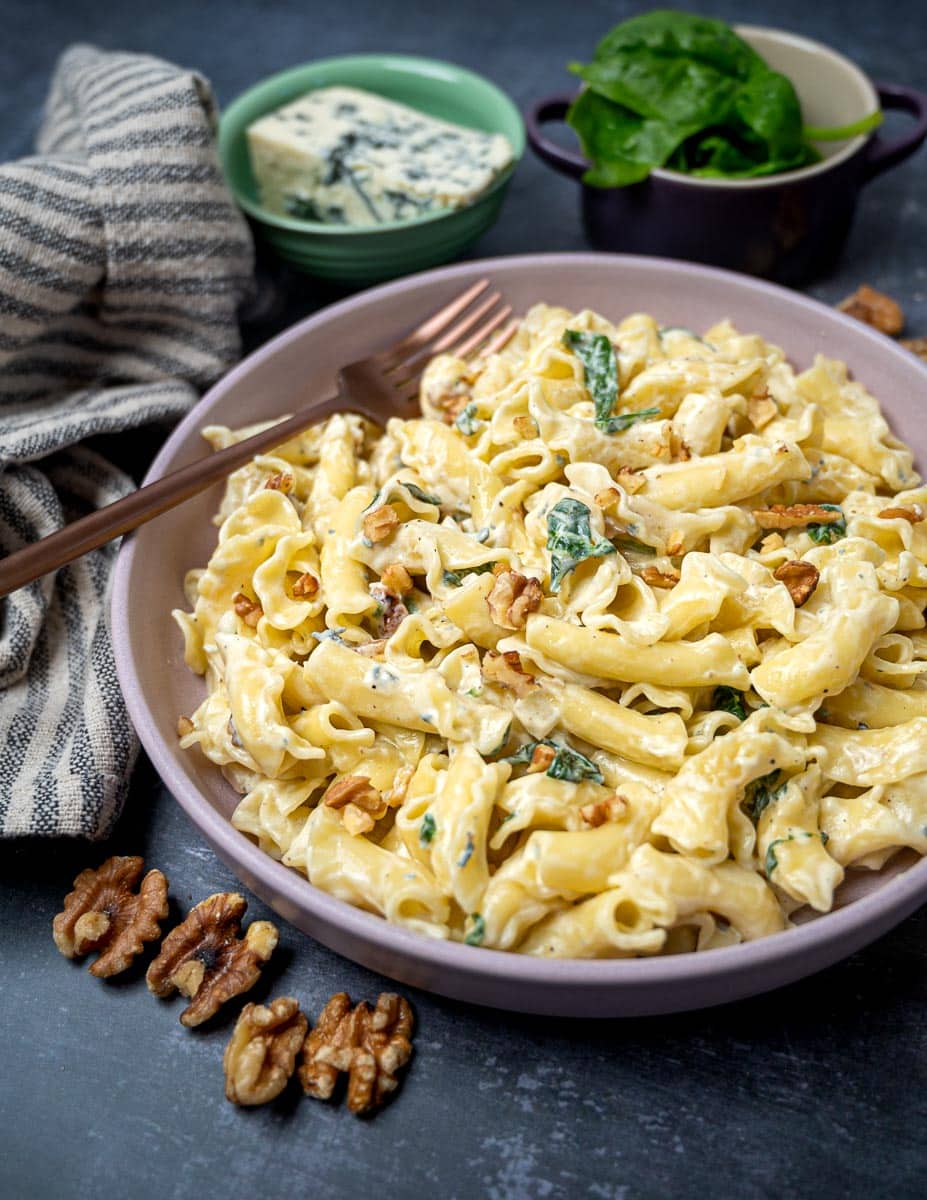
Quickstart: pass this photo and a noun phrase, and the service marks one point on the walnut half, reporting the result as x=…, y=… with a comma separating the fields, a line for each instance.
x=793, y=516
x=875, y=309
x=512, y=598
x=206, y=959
x=105, y=913
x=801, y=578
x=261, y=1055
x=371, y=1045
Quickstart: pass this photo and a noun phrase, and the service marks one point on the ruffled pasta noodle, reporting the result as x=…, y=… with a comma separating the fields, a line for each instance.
x=548, y=637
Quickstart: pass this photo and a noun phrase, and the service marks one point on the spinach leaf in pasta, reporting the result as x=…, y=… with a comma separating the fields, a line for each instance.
x=572, y=766
x=426, y=831
x=419, y=494
x=625, y=420
x=600, y=370
x=477, y=930
x=761, y=793
x=567, y=763
x=570, y=540
x=832, y=531
x=728, y=699
x=456, y=578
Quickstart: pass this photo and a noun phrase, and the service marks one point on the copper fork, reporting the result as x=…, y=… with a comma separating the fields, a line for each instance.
x=379, y=387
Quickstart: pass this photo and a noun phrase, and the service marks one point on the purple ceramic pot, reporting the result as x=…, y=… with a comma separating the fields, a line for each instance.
x=789, y=227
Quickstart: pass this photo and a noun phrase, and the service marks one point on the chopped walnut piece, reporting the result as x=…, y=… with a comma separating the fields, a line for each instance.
x=396, y=579
x=505, y=670
x=526, y=426
x=261, y=1055
x=791, y=516
x=281, y=482
x=184, y=726
x=305, y=587
x=451, y=405
x=679, y=450
x=676, y=543
x=607, y=498
x=512, y=598
x=105, y=913
x=381, y=524
x=372, y=649
x=359, y=802
x=206, y=959
x=801, y=578
x=916, y=345
x=914, y=514
x=613, y=808
x=391, y=612
x=371, y=1045
x=632, y=481
x=761, y=409
x=541, y=758
x=875, y=309
x=660, y=579
x=249, y=610
x=772, y=541
x=401, y=780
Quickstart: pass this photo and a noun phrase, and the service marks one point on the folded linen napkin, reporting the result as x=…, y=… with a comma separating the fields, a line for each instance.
x=122, y=262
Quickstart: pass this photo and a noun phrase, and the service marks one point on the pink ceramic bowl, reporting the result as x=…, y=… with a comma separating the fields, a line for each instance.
x=302, y=363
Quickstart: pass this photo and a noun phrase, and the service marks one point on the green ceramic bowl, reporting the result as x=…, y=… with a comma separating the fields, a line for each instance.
x=360, y=255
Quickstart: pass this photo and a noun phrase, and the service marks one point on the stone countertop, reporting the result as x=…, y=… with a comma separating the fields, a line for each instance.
x=817, y=1089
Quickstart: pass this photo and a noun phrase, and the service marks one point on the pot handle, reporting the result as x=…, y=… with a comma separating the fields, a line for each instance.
x=884, y=153
x=553, y=108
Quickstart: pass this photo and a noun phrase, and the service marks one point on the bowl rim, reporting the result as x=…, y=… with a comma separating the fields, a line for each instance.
x=877, y=910
x=412, y=63
x=853, y=146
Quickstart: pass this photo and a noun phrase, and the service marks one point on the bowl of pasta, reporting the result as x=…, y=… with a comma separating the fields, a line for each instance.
x=598, y=689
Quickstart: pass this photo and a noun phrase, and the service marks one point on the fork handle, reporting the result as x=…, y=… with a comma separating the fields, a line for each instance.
x=97, y=528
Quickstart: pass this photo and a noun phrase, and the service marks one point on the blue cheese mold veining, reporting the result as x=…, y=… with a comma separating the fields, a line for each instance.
x=347, y=157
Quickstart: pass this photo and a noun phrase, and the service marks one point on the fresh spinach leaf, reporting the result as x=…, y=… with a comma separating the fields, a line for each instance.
x=728, y=699
x=833, y=531
x=600, y=370
x=668, y=88
x=837, y=133
x=629, y=545
x=569, y=539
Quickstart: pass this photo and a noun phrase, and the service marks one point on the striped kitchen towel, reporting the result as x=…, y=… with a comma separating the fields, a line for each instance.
x=122, y=263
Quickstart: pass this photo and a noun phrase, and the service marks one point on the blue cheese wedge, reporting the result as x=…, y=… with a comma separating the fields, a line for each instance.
x=347, y=157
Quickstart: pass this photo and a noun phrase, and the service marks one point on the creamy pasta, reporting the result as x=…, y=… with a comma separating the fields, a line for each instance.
x=618, y=649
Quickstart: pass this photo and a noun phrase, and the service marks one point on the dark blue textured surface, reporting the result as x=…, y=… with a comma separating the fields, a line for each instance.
x=816, y=1090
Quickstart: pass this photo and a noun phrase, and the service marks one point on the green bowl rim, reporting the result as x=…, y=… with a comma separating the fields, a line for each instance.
x=295, y=225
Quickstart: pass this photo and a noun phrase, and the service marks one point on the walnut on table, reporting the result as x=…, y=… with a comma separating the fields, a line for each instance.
x=874, y=308
x=917, y=345
x=512, y=598
x=206, y=959
x=801, y=578
x=105, y=913
x=370, y=1045
x=261, y=1055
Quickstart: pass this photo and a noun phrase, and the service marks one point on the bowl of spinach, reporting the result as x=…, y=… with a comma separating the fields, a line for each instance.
x=743, y=147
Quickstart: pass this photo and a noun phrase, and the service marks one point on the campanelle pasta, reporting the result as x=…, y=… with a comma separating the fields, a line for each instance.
x=619, y=649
